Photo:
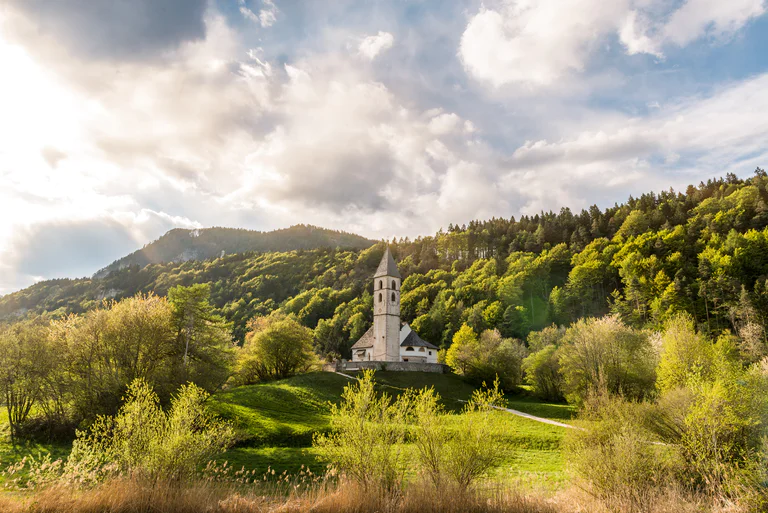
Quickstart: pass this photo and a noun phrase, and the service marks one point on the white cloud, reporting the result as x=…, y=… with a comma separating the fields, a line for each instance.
x=267, y=15
x=538, y=43
x=371, y=46
x=535, y=43
x=714, y=18
x=223, y=135
x=444, y=123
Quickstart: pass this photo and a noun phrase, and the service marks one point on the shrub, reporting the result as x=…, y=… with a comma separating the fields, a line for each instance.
x=368, y=432
x=616, y=455
x=605, y=353
x=542, y=373
x=455, y=450
x=144, y=441
x=275, y=348
x=484, y=359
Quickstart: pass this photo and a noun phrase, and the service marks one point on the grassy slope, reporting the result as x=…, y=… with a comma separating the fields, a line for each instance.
x=276, y=421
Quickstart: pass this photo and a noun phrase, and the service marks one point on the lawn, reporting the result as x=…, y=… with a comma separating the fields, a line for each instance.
x=277, y=420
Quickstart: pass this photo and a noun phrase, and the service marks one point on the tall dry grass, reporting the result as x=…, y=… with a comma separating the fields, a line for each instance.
x=134, y=496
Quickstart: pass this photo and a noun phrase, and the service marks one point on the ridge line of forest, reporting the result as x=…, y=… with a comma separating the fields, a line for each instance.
x=704, y=251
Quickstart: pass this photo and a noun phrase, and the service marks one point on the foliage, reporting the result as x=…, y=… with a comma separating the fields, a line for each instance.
x=275, y=348
x=368, y=432
x=456, y=454
x=26, y=361
x=606, y=354
x=205, y=336
x=704, y=432
x=701, y=251
x=542, y=373
x=615, y=453
x=143, y=440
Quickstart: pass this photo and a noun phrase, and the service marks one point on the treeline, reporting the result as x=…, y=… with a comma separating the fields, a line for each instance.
x=703, y=252
x=57, y=375
x=200, y=244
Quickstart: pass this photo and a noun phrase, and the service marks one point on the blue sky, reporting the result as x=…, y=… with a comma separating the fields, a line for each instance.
x=123, y=119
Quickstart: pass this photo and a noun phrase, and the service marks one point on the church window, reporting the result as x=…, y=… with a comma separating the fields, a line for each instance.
x=409, y=349
x=381, y=284
x=421, y=349
x=393, y=297
x=430, y=353
x=394, y=285
x=381, y=298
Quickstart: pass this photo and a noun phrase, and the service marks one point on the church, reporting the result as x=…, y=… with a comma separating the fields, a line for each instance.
x=389, y=340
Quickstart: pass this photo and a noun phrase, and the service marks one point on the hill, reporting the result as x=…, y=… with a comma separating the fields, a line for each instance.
x=180, y=245
x=702, y=251
x=276, y=421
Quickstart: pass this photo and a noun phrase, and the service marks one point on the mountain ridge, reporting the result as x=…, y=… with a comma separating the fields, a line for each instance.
x=181, y=245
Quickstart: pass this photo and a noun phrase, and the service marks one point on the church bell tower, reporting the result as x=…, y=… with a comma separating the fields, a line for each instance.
x=386, y=310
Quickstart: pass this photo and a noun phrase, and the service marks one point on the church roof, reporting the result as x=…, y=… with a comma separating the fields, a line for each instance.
x=365, y=341
x=414, y=340
x=387, y=266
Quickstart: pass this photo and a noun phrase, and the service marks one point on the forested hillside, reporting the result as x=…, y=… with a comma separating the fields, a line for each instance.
x=704, y=251
x=179, y=245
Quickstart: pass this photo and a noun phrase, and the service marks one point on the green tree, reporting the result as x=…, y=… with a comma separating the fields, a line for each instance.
x=26, y=360
x=542, y=373
x=275, y=348
x=203, y=338
x=463, y=350
x=605, y=354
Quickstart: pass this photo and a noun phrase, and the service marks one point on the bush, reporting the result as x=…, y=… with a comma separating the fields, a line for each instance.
x=276, y=347
x=615, y=453
x=368, y=432
x=484, y=359
x=455, y=450
x=606, y=354
x=542, y=373
x=144, y=441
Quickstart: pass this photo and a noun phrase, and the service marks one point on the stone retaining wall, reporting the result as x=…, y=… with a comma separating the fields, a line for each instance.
x=346, y=366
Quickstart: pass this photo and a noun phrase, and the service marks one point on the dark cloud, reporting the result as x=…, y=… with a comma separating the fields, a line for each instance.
x=117, y=29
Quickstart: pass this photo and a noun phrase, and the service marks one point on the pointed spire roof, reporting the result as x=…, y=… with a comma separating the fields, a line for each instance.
x=387, y=266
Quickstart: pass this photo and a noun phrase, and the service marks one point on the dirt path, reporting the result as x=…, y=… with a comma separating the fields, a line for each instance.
x=508, y=410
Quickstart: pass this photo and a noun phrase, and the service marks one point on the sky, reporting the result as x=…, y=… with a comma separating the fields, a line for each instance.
x=122, y=119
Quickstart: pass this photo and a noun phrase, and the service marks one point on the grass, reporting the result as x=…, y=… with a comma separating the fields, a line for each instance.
x=26, y=449
x=276, y=422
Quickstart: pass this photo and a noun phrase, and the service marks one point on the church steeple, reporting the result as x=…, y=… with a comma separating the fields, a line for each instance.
x=386, y=310
x=387, y=266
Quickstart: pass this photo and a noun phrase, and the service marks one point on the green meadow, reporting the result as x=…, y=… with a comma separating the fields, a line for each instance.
x=276, y=422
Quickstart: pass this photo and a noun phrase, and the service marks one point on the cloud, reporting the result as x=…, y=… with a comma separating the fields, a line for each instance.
x=535, y=43
x=371, y=46
x=521, y=42
x=697, y=18
x=237, y=129
x=267, y=15
x=75, y=248
x=679, y=139
x=120, y=29
x=444, y=123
